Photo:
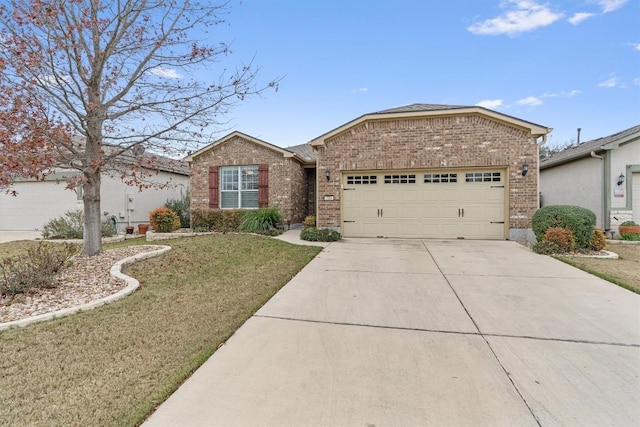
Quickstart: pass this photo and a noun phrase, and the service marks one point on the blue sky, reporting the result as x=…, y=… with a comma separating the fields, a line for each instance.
x=562, y=64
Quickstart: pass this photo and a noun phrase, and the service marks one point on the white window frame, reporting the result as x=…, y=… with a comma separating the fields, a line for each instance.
x=228, y=187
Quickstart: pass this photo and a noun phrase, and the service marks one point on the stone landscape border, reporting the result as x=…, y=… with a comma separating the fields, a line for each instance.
x=115, y=271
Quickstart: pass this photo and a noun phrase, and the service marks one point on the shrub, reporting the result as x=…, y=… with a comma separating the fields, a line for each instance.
x=562, y=237
x=598, y=240
x=71, y=226
x=579, y=220
x=546, y=247
x=35, y=270
x=181, y=206
x=630, y=237
x=628, y=224
x=221, y=221
x=309, y=221
x=261, y=221
x=164, y=220
x=313, y=234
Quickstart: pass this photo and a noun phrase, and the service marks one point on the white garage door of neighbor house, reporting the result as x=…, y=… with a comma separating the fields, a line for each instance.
x=35, y=204
x=635, y=197
x=424, y=204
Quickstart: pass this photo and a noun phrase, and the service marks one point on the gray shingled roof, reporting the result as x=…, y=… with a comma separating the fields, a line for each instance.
x=421, y=107
x=304, y=150
x=584, y=149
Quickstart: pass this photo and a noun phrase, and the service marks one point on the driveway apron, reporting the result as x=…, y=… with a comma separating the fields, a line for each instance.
x=382, y=332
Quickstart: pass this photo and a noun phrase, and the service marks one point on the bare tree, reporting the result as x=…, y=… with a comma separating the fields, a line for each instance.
x=87, y=82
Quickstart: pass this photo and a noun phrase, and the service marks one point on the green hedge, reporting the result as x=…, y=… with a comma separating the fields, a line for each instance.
x=579, y=220
x=222, y=221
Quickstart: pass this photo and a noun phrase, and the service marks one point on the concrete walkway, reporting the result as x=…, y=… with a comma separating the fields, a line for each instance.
x=419, y=333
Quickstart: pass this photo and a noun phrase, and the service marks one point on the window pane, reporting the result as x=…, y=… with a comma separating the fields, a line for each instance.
x=230, y=179
x=249, y=177
x=229, y=199
x=249, y=199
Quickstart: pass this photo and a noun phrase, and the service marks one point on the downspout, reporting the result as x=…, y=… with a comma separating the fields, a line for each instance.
x=605, y=192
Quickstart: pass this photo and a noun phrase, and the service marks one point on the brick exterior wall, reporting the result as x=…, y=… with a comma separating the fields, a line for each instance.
x=287, y=177
x=432, y=142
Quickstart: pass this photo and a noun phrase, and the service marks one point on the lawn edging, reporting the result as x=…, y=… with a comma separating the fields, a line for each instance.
x=115, y=271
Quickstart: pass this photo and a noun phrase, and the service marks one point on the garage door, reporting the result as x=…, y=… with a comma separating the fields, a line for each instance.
x=635, y=196
x=35, y=204
x=424, y=204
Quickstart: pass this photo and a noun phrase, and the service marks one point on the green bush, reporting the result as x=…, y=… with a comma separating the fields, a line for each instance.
x=579, y=220
x=35, y=270
x=314, y=234
x=181, y=206
x=562, y=237
x=164, y=220
x=630, y=237
x=218, y=220
x=628, y=224
x=261, y=221
x=546, y=247
x=71, y=226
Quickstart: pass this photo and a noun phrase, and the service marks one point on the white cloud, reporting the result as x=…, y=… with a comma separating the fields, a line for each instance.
x=490, y=103
x=610, y=82
x=611, y=5
x=531, y=101
x=360, y=89
x=564, y=94
x=636, y=81
x=579, y=17
x=636, y=46
x=521, y=16
x=165, y=72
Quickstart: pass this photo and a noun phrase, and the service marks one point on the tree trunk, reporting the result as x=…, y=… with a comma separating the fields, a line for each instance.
x=92, y=243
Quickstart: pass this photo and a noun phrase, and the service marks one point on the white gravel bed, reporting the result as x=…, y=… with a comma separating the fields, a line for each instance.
x=86, y=279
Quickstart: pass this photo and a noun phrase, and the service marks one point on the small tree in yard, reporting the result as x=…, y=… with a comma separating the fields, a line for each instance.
x=86, y=84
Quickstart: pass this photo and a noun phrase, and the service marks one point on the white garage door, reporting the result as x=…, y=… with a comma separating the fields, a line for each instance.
x=35, y=204
x=424, y=204
x=635, y=196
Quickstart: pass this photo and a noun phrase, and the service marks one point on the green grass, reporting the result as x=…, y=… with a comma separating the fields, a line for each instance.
x=112, y=366
x=598, y=273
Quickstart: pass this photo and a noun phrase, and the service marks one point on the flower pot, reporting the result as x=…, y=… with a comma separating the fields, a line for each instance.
x=129, y=230
x=143, y=228
x=629, y=229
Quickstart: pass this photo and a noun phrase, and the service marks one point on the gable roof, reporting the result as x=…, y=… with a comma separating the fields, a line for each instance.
x=285, y=152
x=421, y=110
x=597, y=145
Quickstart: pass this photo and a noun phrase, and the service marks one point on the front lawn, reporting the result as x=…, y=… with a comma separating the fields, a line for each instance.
x=624, y=271
x=112, y=366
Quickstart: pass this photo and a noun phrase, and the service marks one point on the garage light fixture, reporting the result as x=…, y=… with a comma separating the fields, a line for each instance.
x=621, y=179
x=525, y=168
x=327, y=173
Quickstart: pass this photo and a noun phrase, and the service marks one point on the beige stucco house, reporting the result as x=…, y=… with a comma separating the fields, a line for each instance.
x=422, y=170
x=38, y=201
x=602, y=175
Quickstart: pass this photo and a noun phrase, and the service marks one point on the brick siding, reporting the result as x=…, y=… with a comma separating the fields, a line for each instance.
x=431, y=143
x=287, y=177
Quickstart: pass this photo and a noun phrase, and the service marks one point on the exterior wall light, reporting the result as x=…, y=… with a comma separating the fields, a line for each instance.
x=327, y=173
x=525, y=168
x=621, y=179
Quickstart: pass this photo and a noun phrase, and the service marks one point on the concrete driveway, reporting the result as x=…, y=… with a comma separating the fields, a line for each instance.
x=11, y=236
x=417, y=333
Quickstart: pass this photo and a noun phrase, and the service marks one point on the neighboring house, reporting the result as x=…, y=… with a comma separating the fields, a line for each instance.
x=602, y=175
x=423, y=170
x=37, y=202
